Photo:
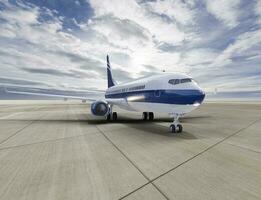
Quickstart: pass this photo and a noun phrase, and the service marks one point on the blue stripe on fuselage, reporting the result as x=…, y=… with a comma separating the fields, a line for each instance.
x=182, y=97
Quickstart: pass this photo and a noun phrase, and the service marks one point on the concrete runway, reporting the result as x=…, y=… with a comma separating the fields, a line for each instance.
x=57, y=150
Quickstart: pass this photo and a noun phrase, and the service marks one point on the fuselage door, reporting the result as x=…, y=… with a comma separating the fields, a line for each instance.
x=157, y=93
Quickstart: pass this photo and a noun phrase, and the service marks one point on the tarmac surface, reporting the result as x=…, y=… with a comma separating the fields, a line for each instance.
x=57, y=150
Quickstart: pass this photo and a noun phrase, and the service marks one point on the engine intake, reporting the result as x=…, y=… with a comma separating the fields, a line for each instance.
x=99, y=108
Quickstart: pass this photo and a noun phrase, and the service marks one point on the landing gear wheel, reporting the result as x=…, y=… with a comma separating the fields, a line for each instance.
x=151, y=116
x=114, y=116
x=172, y=128
x=108, y=117
x=179, y=128
x=144, y=116
x=176, y=127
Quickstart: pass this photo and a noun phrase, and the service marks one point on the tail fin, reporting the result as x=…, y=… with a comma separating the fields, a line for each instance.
x=109, y=75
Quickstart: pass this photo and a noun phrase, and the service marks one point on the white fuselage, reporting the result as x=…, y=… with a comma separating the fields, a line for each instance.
x=158, y=93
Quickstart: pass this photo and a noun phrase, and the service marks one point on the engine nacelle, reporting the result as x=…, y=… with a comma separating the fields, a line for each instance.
x=100, y=108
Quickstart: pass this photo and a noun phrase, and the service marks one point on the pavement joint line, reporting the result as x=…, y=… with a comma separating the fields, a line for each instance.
x=6, y=117
x=161, y=192
x=21, y=129
x=245, y=148
x=154, y=179
x=47, y=141
x=191, y=158
x=133, y=164
x=210, y=147
x=133, y=191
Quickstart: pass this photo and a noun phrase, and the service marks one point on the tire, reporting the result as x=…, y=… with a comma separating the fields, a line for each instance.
x=172, y=128
x=180, y=128
x=108, y=117
x=144, y=116
x=114, y=116
x=151, y=116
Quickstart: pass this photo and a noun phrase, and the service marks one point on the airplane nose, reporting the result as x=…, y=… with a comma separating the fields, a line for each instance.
x=199, y=97
x=202, y=95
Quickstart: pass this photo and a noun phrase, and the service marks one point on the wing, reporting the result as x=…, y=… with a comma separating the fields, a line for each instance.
x=83, y=98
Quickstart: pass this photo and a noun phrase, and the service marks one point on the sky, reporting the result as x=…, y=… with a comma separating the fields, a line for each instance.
x=62, y=44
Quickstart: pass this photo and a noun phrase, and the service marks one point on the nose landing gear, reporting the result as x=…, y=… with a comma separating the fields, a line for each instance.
x=176, y=127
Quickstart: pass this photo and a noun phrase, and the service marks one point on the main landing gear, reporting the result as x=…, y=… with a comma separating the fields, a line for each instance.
x=176, y=127
x=147, y=116
x=111, y=116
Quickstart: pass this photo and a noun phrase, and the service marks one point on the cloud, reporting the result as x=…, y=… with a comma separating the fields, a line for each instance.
x=243, y=45
x=176, y=10
x=130, y=9
x=125, y=33
x=64, y=43
x=149, y=70
x=199, y=56
x=21, y=82
x=55, y=72
x=225, y=10
x=258, y=11
x=13, y=15
x=70, y=11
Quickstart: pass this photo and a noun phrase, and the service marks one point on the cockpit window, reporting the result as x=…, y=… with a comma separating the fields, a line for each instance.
x=172, y=81
x=178, y=81
x=185, y=80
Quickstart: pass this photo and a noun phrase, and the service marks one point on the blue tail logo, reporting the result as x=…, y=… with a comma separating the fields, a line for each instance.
x=109, y=74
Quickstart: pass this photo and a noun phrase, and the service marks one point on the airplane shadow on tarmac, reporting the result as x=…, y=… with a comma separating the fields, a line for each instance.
x=150, y=127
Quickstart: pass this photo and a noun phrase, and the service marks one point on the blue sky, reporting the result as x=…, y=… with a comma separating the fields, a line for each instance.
x=62, y=44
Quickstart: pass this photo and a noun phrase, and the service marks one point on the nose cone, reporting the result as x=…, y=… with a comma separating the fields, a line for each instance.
x=198, y=96
x=201, y=96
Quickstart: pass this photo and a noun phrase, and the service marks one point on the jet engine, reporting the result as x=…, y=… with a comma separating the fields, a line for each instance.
x=100, y=108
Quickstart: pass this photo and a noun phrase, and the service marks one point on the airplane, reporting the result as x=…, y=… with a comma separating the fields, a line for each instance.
x=175, y=94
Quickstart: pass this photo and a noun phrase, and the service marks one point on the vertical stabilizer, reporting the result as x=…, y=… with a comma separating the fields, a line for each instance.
x=109, y=74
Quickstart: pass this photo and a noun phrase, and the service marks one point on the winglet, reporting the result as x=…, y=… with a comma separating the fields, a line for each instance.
x=109, y=74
